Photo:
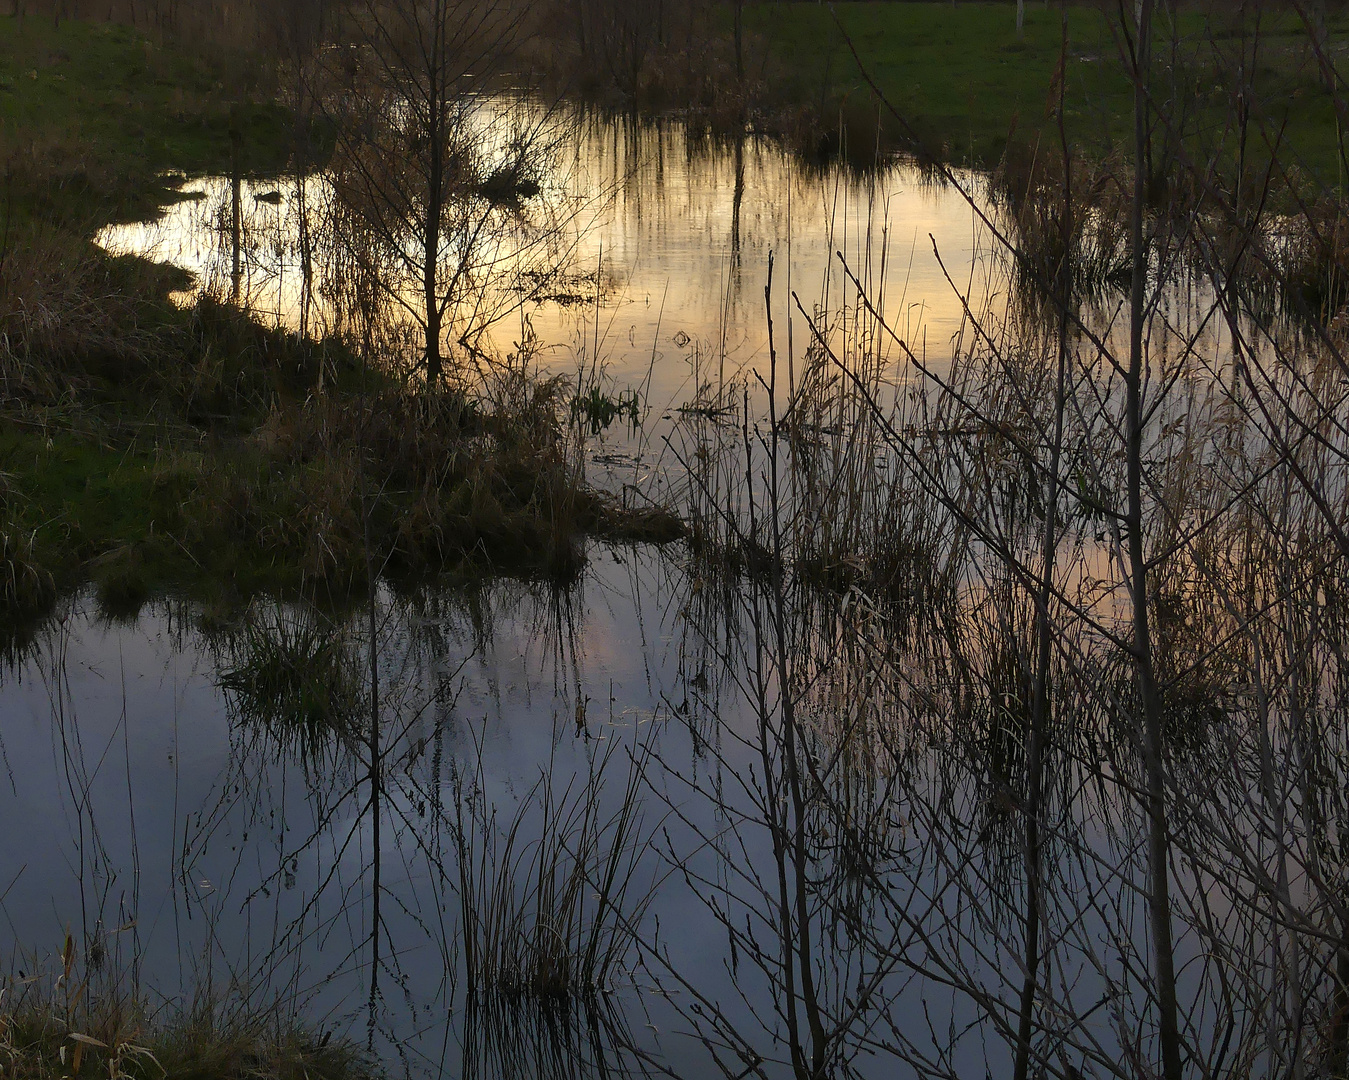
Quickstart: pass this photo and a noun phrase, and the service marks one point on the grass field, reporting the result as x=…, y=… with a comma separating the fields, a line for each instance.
x=91, y=115
x=966, y=81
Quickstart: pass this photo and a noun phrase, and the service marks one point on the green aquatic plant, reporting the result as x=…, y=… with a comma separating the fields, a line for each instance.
x=596, y=409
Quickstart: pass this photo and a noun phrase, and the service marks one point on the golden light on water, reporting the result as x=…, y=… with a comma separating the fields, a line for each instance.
x=680, y=235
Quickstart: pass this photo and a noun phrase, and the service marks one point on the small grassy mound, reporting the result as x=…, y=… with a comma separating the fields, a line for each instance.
x=44, y=1036
x=310, y=498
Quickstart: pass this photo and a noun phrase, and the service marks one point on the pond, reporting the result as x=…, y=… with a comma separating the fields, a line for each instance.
x=756, y=803
x=663, y=242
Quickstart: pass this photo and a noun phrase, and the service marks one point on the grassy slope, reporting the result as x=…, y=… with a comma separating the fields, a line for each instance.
x=103, y=110
x=95, y=119
x=966, y=81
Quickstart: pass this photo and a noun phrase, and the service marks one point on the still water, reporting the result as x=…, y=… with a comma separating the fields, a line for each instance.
x=207, y=802
x=664, y=242
x=191, y=835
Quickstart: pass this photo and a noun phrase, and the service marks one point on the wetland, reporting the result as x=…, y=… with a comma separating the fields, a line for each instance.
x=523, y=588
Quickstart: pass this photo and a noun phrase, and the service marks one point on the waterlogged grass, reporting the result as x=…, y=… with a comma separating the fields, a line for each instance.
x=967, y=83
x=288, y=509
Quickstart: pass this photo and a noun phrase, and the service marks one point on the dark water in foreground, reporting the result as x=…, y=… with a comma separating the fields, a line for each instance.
x=201, y=833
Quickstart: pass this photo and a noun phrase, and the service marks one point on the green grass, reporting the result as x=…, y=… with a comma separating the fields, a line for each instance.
x=966, y=81
x=92, y=114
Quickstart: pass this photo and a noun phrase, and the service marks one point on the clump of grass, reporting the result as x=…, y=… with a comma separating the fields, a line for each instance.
x=1028, y=187
x=122, y=584
x=548, y=918
x=439, y=482
x=68, y=1022
x=26, y=586
x=72, y=318
x=597, y=409
x=429, y=481
x=294, y=675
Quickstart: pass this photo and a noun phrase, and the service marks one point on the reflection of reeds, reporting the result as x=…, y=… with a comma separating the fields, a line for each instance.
x=547, y=915
x=973, y=783
x=295, y=676
x=518, y=1040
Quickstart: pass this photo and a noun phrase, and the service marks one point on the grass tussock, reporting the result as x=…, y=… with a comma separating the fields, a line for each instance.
x=438, y=480
x=314, y=495
x=66, y=1023
x=547, y=896
x=25, y=586
x=1312, y=259
x=294, y=673
x=81, y=328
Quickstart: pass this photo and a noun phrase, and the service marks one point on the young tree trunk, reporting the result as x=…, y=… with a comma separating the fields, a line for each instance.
x=435, y=199
x=236, y=208
x=1039, y=721
x=739, y=40
x=1159, y=899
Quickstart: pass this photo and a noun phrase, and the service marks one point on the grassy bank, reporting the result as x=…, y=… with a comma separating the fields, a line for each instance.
x=94, y=115
x=968, y=83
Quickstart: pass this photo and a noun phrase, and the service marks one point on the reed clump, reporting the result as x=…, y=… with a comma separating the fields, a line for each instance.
x=1028, y=187
x=548, y=897
x=72, y=319
x=26, y=587
x=295, y=675
x=439, y=481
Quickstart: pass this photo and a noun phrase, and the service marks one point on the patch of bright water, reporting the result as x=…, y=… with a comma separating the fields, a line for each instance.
x=678, y=231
